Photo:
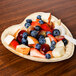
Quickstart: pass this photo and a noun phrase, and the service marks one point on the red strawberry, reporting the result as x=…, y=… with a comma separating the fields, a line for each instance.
x=36, y=53
x=37, y=20
x=46, y=27
x=59, y=38
x=52, y=37
x=34, y=23
x=14, y=43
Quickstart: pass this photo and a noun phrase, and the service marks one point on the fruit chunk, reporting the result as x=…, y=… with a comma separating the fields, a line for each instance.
x=53, y=43
x=58, y=52
x=8, y=39
x=24, y=41
x=57, y=23
x=50, y=52
x=58, y=38
x=49, y=19
x=20, y=35
x=45, y=48
x=60, y=44
x=38, y=46
x=52, y=38
x=65, y=41
x=48, y=32
x=27, y=25
x=30, y=29
x=14, y=43
x=34, y=24
x=23, y=49
x=42, y=32
x=16, y=33
x=32, y=45
x=19, y=39
x=46, y=27
x=41, y=36
x=25, y=34
x=34, y=33
x=48, y=41
x=48, y=56
x=36, y=53
x=32, y=40
x=56, y=32
x=41, y=21
x=37, y=28
x=61, y=29
x=42, y=40
x=29, y=21
x=39, y=17
x=37, y=20
x=52, y=47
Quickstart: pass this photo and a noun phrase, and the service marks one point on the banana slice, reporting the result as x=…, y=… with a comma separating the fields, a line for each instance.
x=60, y=44
x=8, y=39
x=58, y=52
x=48, y=41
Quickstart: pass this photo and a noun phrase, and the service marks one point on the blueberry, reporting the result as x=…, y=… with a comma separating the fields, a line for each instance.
x=42, y=40
x=48, y=56
x=48, y=32
x=37, y=28
x=38, y=46
x=24, y=41
x=65, y=41
x=27, y=25
x=41, y=36
x=39, y=17
x=52, y=47
x=56, y=32
x=53, y=42
x=25, y=34
x=34, y=33
x=29, y=21
x=41, y=22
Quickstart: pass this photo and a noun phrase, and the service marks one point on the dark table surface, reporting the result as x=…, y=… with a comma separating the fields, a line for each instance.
x=15, y=11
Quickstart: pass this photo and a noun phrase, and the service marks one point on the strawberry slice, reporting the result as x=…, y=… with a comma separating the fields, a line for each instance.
x=46, y=27
x=59, y=38
x=14, y=43
x=37, y=20
x=36, y=53
x=52, y=38
x=34, y=23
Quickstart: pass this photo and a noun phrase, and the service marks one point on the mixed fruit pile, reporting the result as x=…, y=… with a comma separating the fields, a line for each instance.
x=40, y=39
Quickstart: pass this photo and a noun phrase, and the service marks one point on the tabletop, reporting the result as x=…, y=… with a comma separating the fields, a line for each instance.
x=14, y=12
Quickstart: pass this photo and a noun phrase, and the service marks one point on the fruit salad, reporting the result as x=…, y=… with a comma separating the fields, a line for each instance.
x=40, y=39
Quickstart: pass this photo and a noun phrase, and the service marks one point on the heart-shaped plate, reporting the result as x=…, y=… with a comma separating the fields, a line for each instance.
x=12, y=29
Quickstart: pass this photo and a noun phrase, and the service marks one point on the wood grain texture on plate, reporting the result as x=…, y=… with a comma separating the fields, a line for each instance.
x=14, y=12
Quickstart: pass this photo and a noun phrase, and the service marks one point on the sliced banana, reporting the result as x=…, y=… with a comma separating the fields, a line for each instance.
x=58, y=52
x=48, y=41
x=45, y=17
x=60, y=44
x=8, y=39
